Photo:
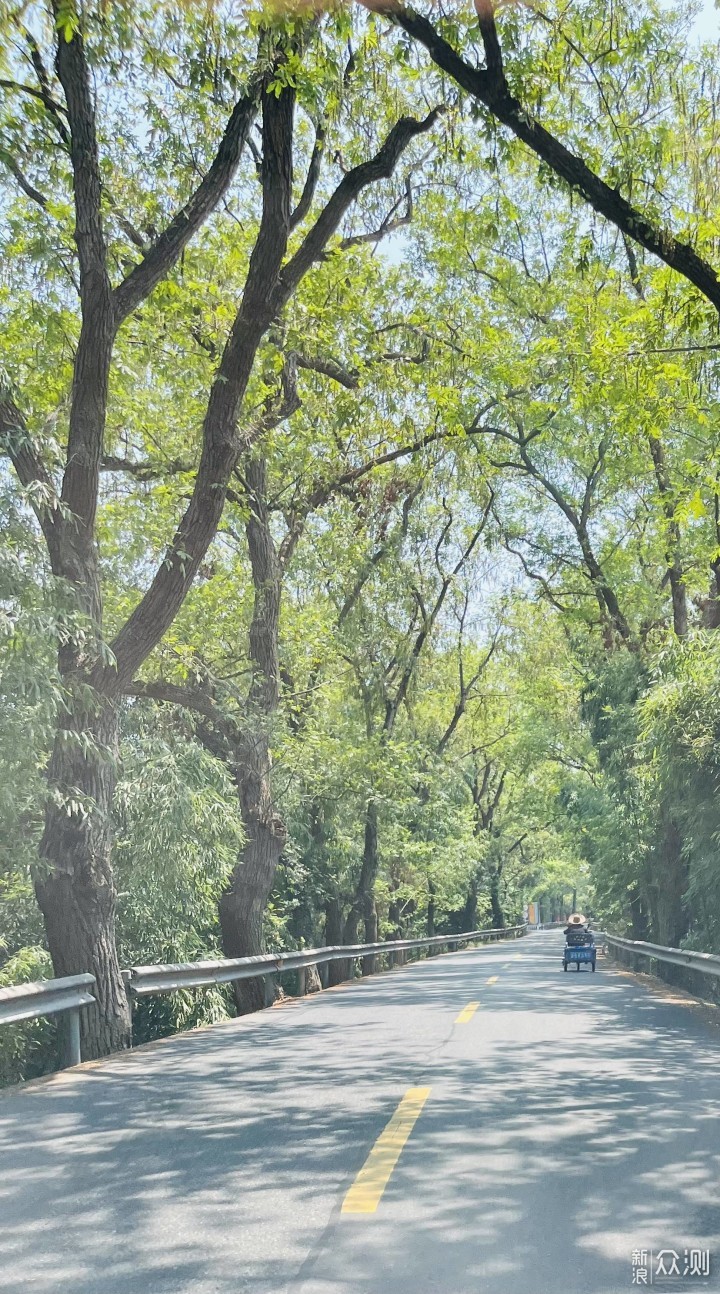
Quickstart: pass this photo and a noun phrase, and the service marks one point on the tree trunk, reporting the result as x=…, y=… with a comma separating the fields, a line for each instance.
x=334, y=935
x=712, y=608
x=468, y=920
x=363, y=907
x=369, y=876
x=430, y=920
x=711, y=616
x=673, y=538
x=242, y=906
x=498, y=916
x=75, y=887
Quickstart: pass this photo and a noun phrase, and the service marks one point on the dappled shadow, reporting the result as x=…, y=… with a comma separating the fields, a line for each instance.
x=573, y=1120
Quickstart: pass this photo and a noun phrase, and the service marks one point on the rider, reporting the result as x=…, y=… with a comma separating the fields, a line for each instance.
x=577, y=931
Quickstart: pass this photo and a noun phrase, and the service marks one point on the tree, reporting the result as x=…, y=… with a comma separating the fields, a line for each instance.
x=75, y=887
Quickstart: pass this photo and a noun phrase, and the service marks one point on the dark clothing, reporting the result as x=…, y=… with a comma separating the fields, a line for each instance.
x=577, y=936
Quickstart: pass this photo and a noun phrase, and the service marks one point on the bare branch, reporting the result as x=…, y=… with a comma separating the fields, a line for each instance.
x=388, y=226
x=379, y=167
x=16, y=442
x=56, y=111
x=195, y=699
x=144, y=470
x=28, y=189
x=165, y=251
x=311, y=179
x=43, y=95
x=329, y=368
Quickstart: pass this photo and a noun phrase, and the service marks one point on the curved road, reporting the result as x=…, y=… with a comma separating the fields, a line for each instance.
x=538, y=1142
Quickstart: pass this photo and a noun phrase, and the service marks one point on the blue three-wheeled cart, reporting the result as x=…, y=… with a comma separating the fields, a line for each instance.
x=583, y=955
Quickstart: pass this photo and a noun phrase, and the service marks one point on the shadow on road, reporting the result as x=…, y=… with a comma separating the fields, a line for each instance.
x=574, y=1120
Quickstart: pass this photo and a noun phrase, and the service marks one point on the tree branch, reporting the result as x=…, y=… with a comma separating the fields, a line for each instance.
x=94, y=350
x=195, y=699
x=379, y=167
x=16, y=442
x=165, y=251
x=311, y=179
x=221, y=444
x=56, y=111
x=489, y=86
x=388, y=226
x=143, y=470
x=267, y=290
x=348, y=378
x=28, y=189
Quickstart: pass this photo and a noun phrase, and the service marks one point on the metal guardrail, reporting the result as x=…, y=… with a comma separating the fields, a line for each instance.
x=69, y=995
x=144, y=980
x=51, y=997
x=707, y=963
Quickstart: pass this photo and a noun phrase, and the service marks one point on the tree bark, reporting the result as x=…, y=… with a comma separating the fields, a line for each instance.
x=498, y=916
x=242, y=906
x=334, y=934
x=430, y=919
x=712, y=608
x=673, y=539
x=363, y=909
x=468, y=919
x=75, y=887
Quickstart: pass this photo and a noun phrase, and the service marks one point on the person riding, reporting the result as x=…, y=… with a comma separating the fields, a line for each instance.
x=577, y=931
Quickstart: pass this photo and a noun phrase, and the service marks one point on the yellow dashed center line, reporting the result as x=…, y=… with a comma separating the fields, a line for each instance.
x=467, y=1012
x=367, y=1189
x=493, y=979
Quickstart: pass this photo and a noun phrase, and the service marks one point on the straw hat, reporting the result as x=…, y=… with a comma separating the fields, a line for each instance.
x=577, y=919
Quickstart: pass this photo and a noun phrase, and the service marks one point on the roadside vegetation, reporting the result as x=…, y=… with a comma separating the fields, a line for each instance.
x=359, y=483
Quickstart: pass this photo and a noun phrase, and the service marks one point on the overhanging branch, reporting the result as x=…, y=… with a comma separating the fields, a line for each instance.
x=489, y=86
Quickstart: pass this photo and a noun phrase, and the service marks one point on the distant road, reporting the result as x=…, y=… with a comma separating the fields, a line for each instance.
x=480, y=1123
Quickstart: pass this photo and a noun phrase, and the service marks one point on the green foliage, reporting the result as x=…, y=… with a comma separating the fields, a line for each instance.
x=504, y=462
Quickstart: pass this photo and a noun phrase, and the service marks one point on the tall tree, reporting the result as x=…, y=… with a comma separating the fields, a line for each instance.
x=75, y=886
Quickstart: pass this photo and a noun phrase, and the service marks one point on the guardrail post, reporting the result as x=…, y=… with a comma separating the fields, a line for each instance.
x=324, y=973
x=301, y=981
x=69, y=1039
x=269, y=990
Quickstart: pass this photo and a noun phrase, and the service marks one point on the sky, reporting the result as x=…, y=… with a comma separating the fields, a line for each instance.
x=708, y=23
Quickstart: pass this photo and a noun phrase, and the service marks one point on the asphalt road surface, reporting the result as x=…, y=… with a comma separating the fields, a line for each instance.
x=387, y=1137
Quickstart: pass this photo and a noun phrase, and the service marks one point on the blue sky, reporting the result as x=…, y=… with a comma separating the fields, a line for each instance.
x=708, y=23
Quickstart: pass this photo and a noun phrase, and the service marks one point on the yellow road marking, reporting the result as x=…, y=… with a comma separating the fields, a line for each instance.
x=493, y=979
x=467, y=1012
x=367, y=1189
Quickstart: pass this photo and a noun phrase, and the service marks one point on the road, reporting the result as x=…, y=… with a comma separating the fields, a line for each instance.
x=571, y=1121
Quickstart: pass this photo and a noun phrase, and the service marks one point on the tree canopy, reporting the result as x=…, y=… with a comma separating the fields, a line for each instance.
x=360, y=492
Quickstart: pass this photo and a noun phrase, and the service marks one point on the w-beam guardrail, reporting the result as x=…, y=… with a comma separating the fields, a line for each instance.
x=141, y=981
x=51, y=997
x=707, y=963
